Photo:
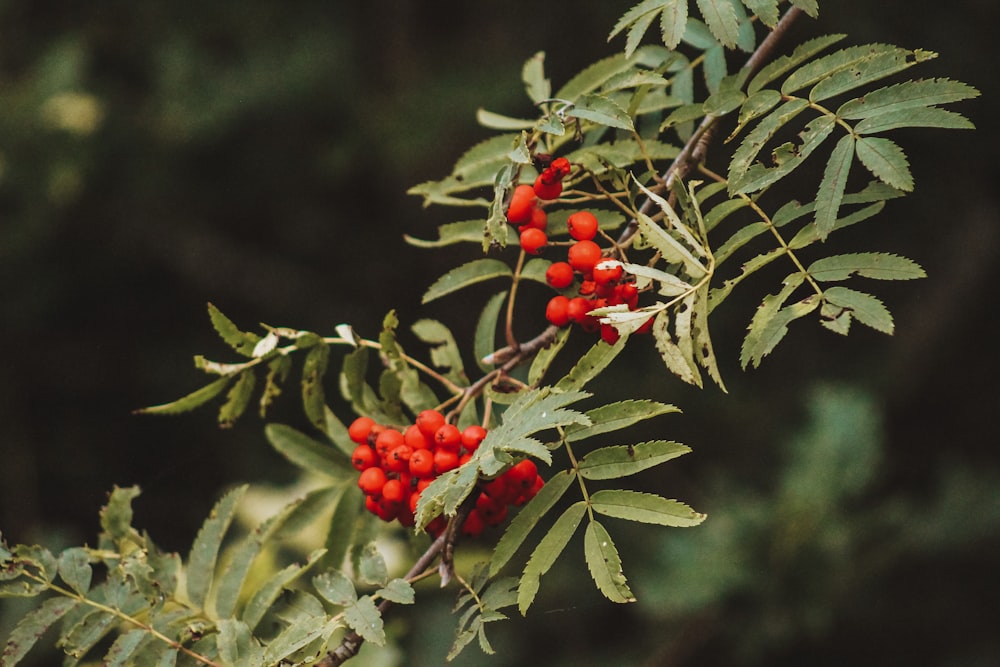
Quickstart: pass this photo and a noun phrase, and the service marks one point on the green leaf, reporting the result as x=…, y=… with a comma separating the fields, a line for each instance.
x=831, y=188
x=637, y=31
x=205, y=550
x=313, y=395
x=363, y=618
x=32, y=626
x=372, y=568
x=266, y=595
x=770, y=321
x=829, y=65
x=601, y=110
x=486, y=330
x=907, y=95
x=444, y=350
x=237, y=645
x=623, y=460
x=864, y=307
x=810, y=7
x=644, y=508
x=116, y=516
x=880, y=65
x=721, y=19
x=308, y=454
x=593, y=77
x=238, y=399
x=886, y=161
x=277, y=372
x=399, y=591
x=123, y=648
x=295, y=637
x=877, y=265
x=241, y=341
x=529, y=516
x=780, y=66
x=544, y=358
x=75, y=570
x=755, y=140
x=189, y=402
x=786, y=157
x=479, y=164
x=470, y=273
x=546, y=553
x=466, y=231
x=604, y=564
x=590, y=365
x=753, y=107
x=334, y=586
x=536, y=85
x=928, y=117
x=673, y=22
x=497, y=121
x=616, y=416
x=723, y=102
x=766, y=10
x=77, y=639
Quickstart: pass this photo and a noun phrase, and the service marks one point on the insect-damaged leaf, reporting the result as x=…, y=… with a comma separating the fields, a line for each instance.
x=241, y=341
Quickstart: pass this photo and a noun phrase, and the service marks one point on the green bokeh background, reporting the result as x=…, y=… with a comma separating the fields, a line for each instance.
x=156, y=156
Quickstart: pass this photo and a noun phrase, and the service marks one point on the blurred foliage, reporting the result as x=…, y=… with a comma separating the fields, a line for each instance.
x=155, y=156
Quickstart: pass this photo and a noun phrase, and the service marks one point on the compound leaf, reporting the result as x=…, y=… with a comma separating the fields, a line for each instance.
x=546, y=553
x=865, y=308
x=877, y=265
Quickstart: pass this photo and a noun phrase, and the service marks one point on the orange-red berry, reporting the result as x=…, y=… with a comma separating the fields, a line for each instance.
x=413, y=437
x=584, y=255
x=521, y=203
x=360, y=428
x=445, y=460
x=533, y=240
x=448, y=437
x=539, y=220
x=577, y=309
x=472, y=436
x=393, y=491
x=607, y=271
x=547, y=190
x=388, y=440
x=364, y=457
x=582, y=225
x=609, y=334
x=372, y=480
x=557, y=310
x=421, y=463
x=559, y=275
x=429, y=421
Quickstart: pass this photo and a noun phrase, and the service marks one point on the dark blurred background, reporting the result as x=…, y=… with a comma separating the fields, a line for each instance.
x=156, y=156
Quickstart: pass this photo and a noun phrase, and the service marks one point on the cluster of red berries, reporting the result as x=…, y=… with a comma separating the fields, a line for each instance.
x=397, y=465
x=524, y=211
x=603, y=282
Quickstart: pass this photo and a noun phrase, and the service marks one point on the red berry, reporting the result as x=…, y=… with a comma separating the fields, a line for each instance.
x=448, y=437
x=364, y=457
x=577, y=309
x=359, y=429
x=646, y=327
x=539, y=220
x=371, y=481
x=414, y=438
x=521, y=204
x=559, y=275
x=473, y=525
x=587, y=287
x=609, y=334
x=560, y=167
x=421, y=463
x=490, y=509
x=533, y=240
x=627, y=293
x=584, y=255
x=445, y=460
x=472, y=436
x=523, y=474
x=398, y=459
x=393, y=491
x=582, y=225
x=607, y=271
x=547, y=190
x=557, y=310
x=388, y=440
x=429, y=421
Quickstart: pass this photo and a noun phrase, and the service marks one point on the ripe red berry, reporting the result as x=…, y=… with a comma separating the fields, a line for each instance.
x=559, y=275
x=429, y=421
x=607, y=271
x=560, y=167
x=421, y=463
x=398, y=459
x=521, y=203
x=372, y=480
x=523, y=474
x=472, y=436
x=363, y=457
x=359, y=429
x=448, y=437
x=533, y=240
x=646, y=327
x=577, y=309
x=473, y=525
x=547, y=190
x=609, y=334
x=445, y=460
x=584, y=255
x=388, y=440
x=414, y=438
x=539, y=220
x=557, y=310
x=393, y=491
x=582, y=225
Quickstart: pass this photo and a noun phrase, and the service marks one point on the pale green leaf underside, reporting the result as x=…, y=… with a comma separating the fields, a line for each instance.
x=605, y=564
